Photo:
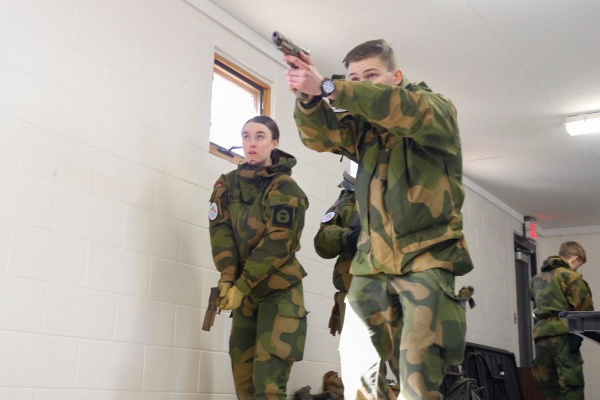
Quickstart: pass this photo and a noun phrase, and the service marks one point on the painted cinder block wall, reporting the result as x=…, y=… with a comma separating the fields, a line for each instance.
x=105, y=177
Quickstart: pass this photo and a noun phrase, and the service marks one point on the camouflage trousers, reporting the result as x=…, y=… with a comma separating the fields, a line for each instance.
x=420, y=314
x=558, y=372
x=356, y=357
x=267, y=336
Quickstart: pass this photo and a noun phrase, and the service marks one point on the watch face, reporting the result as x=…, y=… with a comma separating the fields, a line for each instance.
x=328, y=86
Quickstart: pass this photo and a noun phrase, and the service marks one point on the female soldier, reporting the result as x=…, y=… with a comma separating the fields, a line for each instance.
x=256, y=218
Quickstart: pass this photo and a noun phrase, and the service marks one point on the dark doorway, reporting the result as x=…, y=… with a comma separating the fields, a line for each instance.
x=525, y=268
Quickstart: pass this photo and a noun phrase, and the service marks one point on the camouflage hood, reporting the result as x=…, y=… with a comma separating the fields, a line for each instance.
x=554, y=262
x=281, y=162
x=348, y=182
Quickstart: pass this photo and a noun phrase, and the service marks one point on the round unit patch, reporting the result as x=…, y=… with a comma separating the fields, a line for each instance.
x=328, y=217
x=213, y=211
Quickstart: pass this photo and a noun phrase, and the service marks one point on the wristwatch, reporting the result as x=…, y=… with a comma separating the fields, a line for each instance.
x=327, y=87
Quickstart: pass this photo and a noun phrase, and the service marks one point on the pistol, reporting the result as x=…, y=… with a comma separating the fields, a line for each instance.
x=212, y=309
x=287, y=47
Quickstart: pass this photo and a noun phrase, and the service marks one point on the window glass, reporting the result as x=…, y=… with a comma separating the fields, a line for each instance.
x=237, y=96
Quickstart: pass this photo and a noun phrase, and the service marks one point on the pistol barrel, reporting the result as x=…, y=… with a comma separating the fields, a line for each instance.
x=286, y=46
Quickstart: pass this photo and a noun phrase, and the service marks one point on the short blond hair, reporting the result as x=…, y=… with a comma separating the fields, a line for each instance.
x=570, y=249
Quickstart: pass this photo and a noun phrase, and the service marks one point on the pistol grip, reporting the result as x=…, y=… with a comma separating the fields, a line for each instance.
x=299, y=95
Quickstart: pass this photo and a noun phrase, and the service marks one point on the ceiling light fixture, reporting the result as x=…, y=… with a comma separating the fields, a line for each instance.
x=583, y=124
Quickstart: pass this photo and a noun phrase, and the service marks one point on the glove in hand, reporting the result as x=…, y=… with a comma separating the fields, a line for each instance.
x=232, y=300
x=223, y=288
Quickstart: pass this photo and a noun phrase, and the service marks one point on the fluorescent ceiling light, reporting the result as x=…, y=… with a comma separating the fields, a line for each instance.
x=583, y=124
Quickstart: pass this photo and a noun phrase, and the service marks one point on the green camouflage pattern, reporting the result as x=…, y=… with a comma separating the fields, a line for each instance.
x=267, y=336
x=558, y=369
x=422, y=310
x=409, y=196
x=330, y=240
x=558, y=372
x=409, y=183
x=256, y=217
x=257, y=225
x=557, y=288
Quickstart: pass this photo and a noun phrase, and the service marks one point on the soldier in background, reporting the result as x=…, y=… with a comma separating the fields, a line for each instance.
x=337, y=237
x=409, y=193
x=558, y=367
x=256, y=216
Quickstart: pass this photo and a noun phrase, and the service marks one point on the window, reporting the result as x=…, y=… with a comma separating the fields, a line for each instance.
x=237, y=96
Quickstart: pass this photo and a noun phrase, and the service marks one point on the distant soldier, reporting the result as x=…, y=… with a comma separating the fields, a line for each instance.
x=558, y=367
x=337, y=237
x=409, y=192
x=256, y=216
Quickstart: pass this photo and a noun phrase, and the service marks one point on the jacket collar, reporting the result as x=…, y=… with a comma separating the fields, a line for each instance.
x=281, y=162
x=554, y=262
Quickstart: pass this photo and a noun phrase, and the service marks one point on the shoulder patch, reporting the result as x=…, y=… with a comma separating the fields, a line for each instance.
x=218, y=184
x=213, y=211
x=328, y=217
x=283, y=215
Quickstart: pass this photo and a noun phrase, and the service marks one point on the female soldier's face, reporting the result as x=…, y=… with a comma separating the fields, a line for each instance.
x=257, y=141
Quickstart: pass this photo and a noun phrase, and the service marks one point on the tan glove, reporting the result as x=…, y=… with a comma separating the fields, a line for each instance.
x=223, y=288
x=232, y=300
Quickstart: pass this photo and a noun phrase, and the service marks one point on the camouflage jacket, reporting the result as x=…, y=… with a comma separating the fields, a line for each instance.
x=330, y=240
x=256, y=217
x=409, y=188
x=557, y=288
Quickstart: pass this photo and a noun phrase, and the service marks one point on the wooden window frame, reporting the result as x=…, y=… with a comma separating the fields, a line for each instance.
x=248, y=81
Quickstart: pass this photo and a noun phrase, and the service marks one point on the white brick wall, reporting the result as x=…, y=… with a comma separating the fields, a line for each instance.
x=489, y=232
x=32, y=360
x=105, y=259
x=105, y=365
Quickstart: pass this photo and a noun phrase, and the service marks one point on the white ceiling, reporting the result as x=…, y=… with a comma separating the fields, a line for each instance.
x=513, y=68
